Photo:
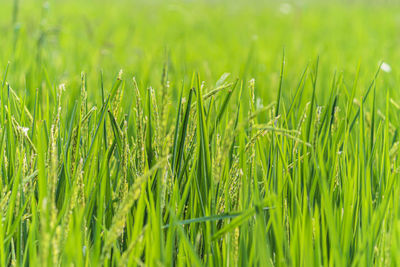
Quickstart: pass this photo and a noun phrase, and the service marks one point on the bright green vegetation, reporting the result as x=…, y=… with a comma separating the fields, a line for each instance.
x=290, y=160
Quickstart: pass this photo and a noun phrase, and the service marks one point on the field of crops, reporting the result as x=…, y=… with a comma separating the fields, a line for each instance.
x=199, y=133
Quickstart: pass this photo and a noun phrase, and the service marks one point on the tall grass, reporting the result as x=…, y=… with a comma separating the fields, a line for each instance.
x=209, y=181
x=278, y=164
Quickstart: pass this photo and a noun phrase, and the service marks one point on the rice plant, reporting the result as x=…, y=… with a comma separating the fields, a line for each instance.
x=163, y=165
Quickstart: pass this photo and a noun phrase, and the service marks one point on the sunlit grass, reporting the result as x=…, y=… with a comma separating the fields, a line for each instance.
x=289, y=160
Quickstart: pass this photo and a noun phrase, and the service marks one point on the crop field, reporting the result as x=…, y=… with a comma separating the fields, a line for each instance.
x=199, y=133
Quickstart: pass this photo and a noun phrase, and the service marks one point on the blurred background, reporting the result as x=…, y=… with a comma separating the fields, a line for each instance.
x=242, y=37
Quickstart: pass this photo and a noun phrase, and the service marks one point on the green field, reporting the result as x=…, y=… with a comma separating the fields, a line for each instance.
x=199, y=133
